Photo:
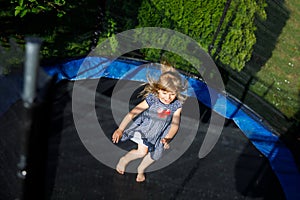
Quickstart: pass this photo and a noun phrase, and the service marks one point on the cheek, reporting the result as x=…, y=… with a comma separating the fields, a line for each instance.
x=160, y=95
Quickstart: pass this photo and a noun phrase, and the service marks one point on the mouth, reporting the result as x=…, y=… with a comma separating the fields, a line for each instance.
x=166, y=101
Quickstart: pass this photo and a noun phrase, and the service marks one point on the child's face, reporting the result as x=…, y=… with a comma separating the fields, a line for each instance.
x=166, y=97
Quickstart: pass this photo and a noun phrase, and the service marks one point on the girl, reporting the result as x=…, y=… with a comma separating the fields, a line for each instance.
x=156, y=121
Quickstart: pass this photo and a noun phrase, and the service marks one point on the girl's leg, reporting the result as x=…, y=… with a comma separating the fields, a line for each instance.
x=146, y=162
x=140, y=152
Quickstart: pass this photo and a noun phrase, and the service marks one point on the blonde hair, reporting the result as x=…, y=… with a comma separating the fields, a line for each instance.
x=169, y=80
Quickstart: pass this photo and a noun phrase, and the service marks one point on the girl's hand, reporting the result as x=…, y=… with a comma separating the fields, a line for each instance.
x=166, y=142
x=117, y=136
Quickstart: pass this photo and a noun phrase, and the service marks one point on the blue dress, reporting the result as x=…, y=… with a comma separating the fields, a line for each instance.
x=152, y=125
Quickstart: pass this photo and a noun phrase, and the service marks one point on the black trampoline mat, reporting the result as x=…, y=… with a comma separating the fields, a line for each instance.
x=64, y=169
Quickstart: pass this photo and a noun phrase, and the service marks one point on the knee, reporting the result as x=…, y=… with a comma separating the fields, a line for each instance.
x=142, y=151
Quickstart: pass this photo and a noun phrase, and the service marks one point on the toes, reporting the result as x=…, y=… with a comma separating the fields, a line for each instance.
x=140, y=178
x=120, y=171
x=120, y=168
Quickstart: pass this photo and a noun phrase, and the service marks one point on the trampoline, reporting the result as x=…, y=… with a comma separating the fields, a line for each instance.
x=249, y=161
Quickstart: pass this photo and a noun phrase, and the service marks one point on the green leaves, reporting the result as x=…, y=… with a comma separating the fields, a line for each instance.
x=24, y=7
x=199, y=19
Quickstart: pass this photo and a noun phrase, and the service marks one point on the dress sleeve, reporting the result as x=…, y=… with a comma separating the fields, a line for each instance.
x=150, y=99
x=177, y=104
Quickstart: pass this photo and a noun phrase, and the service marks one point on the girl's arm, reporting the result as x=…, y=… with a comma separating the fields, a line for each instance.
x=127, y=119
x=174, y=128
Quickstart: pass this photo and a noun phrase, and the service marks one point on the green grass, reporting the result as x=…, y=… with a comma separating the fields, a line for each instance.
x=281, y=73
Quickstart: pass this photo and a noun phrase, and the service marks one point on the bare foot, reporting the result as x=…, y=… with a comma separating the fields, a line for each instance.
x=121, y=165
x=140, y=177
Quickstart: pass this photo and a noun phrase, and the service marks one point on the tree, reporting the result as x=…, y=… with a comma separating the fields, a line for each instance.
x=67, y=28
x=199, y=19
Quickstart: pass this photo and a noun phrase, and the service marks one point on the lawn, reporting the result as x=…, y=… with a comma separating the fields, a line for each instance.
x=281, y=73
